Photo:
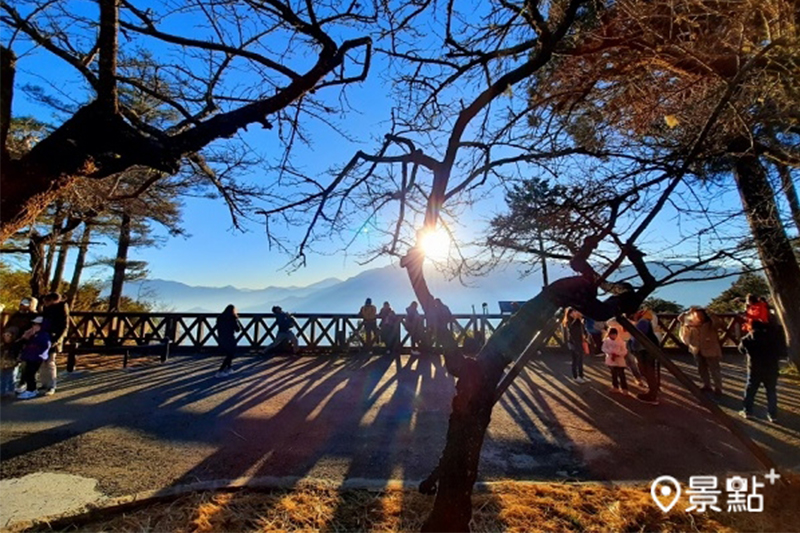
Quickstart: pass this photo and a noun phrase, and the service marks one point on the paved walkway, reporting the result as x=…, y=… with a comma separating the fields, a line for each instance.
x=156, y=426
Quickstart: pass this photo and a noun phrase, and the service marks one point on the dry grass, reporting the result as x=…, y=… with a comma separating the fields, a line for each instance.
x=511, y=507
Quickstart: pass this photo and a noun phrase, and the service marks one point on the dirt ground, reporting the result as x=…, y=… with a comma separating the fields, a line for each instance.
x=162, y=425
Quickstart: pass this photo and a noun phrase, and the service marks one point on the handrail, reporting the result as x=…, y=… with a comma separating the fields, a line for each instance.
x=313, y=330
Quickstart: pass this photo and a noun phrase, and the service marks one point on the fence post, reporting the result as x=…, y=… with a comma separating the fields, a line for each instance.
x=72, y=354
x=200, y=333
x=341, y=334
x=171, y=329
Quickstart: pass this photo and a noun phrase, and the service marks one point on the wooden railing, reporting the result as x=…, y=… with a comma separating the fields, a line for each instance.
x=315, y=332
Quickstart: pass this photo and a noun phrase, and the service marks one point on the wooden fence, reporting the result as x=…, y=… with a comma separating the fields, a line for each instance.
x=315, y=332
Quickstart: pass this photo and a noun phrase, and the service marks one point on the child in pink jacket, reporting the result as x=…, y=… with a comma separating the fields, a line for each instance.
x=615, y=350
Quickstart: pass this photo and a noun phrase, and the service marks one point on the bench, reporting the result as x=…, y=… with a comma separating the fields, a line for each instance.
x=509, y=308
x=151, y=346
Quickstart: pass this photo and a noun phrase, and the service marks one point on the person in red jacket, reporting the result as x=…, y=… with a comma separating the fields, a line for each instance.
x=757, y=310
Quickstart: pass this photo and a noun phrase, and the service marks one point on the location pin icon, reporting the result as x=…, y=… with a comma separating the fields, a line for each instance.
x=665, y=488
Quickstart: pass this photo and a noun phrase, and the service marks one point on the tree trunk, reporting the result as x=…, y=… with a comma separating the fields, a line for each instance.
x=61, y=261
x=107, y=64
x=791, y=193
x=79, y=262
x=774, y=248
x=48, y=261
x=36, y=260
x=120, y=263
x=7, y=71
x=58, y=221
x=453, y=478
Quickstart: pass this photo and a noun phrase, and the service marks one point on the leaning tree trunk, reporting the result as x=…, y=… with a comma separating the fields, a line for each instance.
x=454, y=477
x=79, y=262
x=120, y=263
x=774, y=248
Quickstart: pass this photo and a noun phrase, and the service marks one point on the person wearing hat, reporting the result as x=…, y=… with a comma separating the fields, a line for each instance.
x=22, y=318
x=285, y=324
x=34, y=352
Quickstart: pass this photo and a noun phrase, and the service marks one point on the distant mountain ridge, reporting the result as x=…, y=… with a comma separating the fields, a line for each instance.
x=388, y=283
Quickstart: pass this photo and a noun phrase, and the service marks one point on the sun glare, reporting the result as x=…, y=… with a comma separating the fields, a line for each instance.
x=435, y=244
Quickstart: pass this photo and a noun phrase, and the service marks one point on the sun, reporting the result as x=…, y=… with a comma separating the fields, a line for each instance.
x=435, y=244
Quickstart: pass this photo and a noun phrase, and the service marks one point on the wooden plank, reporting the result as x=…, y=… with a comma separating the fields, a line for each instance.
x=245, y=332
x=324, y=332
x=212, y=332
x=301, y=333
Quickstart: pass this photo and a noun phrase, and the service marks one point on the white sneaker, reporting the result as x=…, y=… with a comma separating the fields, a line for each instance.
x=47, y=392
x=20, y=389
x=27, y=395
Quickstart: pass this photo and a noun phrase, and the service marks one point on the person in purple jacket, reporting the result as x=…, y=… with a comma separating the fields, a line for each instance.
x=35, y=351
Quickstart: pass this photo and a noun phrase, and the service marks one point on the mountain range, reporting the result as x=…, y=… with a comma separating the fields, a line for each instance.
x=388, y=283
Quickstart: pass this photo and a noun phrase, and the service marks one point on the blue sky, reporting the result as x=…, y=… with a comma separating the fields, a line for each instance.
x=215, y=254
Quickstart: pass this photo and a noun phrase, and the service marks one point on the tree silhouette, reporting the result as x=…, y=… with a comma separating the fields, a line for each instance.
x=290, y=52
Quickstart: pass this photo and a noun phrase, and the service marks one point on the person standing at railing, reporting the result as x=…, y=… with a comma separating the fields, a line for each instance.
x=390, y=328
x=285, y=324
x=440, y=322
x=369, y=316
x=56, y=322
x=415, y=327
x=227, y=326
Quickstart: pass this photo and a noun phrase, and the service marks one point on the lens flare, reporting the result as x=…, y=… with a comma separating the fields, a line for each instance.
x=435, y=244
